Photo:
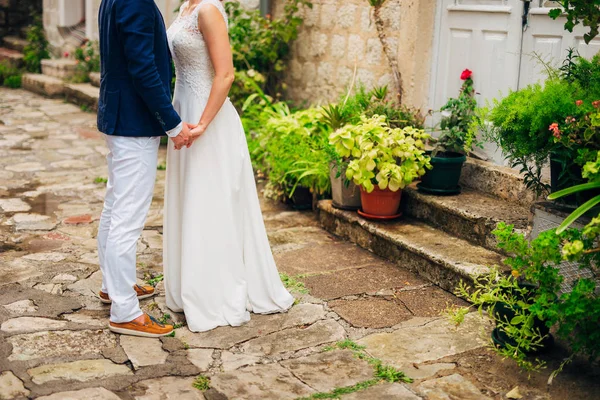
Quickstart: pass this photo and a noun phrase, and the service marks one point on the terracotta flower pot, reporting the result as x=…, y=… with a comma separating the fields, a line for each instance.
x=379, y=202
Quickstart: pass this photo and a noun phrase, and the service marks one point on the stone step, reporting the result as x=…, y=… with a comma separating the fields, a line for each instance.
x=443, y=259
x=62, y=68
x=13, y=57
x=501, y=182
x=15, y=43
x=44, y=85
x=95, y=79
x=83, y=94
x=471, y=215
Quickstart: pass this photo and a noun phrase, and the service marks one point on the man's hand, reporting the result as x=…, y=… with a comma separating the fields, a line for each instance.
x=183, y=138
x=195, y=133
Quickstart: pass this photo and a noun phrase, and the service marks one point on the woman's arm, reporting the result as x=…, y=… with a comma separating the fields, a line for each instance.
x=214, y=29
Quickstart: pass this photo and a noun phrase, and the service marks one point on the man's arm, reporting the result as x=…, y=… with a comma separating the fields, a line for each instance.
x=135, y=23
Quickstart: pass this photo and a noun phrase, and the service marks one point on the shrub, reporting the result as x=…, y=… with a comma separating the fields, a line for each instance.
x=87, y=58
x=260, y=46
x=13, y=82
x=37, y=48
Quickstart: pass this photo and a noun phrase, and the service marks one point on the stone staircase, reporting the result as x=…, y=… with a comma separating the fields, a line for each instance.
x=443, y=238
x=54, y=79
x=11, y=50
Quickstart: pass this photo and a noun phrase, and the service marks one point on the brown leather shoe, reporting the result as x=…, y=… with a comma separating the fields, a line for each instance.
x=143, y=292
x=150, y=328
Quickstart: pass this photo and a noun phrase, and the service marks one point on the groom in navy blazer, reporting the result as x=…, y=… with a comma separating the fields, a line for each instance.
x=134, y=111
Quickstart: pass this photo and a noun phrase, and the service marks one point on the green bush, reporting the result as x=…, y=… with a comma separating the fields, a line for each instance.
x=87, y=58
x=9, y=75
x=13, y=82
x=362, y=102
x=260, y=47
x=37, y=48
x=522, y=122
x=294, y=146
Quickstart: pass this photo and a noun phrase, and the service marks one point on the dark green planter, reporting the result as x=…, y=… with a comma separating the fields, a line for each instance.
x=443, y=178
x=504, y=313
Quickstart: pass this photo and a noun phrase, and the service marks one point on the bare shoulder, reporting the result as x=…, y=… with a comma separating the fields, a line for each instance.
x=210, y=13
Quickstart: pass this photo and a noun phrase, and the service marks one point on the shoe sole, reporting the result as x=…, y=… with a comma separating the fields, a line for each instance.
x=139, y=298
x=132, y=332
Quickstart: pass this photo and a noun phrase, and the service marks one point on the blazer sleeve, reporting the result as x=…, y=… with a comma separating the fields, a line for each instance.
x=136, y=23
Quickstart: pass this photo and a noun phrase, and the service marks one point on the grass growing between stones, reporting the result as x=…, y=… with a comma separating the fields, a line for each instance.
x=292, y=283
x=382, y=372
x=100, y=180
x=155, y=280
x=202, y=383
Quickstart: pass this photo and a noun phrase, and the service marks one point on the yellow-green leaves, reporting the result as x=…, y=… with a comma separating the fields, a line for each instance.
x=379, y=155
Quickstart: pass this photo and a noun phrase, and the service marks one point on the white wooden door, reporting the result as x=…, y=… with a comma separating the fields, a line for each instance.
x=498, y=40
x=483, y=36
x=547, y=39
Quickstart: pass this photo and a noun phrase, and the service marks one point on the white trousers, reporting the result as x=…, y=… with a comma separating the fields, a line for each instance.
x=132, y=163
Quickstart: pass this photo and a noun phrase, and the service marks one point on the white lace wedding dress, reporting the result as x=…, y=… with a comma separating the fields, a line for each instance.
x=218, y=265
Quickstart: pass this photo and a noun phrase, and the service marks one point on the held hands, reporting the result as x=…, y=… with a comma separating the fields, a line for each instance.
x=188, y=135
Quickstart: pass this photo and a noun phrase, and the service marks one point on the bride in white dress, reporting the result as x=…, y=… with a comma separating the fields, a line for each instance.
x=218, y=265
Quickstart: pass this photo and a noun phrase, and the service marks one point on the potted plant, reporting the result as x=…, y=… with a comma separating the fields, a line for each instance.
x=351, y=106
x=524, y=124
x=384, y=161
x=533, y=298
x=458, y=133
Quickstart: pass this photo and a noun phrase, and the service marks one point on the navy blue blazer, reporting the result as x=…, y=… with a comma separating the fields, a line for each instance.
x=135, y=88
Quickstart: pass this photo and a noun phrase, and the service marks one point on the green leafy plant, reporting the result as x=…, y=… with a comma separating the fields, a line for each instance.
x=260, y=46
x=87, y=58
x=293, y=283
x=293, y=150
x=520, y=122
x=388, y=157
x=459, y=122
x=36, y=49
x=202, y=383
x=533, y=292
x=155, y=280
x=100, y=179
x=585, y=12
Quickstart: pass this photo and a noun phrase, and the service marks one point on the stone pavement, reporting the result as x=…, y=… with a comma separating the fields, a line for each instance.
x=53, y=338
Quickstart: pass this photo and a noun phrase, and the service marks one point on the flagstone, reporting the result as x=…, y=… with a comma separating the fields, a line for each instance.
x=11, y=387
x=385, y=391
x=329, y=370
x=31, y=324
x=201, y=358
x=64, y=278
x=168, y=388
x=233, y=361
x=60, y=343
x=21, y=307
x=425, y=371
x=82, y=371
x=52, y=257
x=26, y=167
x=85, y=319
x=294, y=339
x=14, y=205
x=271, y=381
x=409, y=345
x=18, y=270
x=227, y=336
x=87, y=394
x=449, y=388
x=143, y=351
x=371, y=313
x=33, y=222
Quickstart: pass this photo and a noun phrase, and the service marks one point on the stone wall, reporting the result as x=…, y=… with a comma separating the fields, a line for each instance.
x=340, y=35
x=16, y=14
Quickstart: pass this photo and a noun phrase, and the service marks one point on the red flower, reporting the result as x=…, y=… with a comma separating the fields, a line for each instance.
x=579, y=103
x=466, y=74
x=555, y=130
x=66, y=54
x=596, y=104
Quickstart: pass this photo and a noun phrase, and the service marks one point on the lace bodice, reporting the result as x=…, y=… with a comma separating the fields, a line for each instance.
x=193, y=66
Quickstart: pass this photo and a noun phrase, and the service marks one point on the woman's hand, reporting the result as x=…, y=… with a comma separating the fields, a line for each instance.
x=195, y=133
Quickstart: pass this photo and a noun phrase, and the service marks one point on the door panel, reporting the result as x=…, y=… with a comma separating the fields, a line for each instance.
x=547, y=39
